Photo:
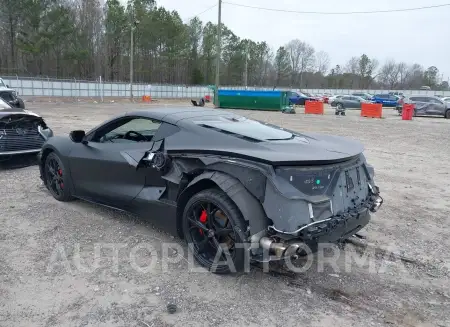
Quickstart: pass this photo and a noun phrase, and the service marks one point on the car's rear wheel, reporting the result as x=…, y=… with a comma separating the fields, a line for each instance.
x=339, y=106
x=214, y=229
x=56, y=178
x=447, y=114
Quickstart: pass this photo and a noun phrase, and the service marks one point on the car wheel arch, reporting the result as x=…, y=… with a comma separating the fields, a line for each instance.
x=447, y=114
x=45, y=153
x=250, y=207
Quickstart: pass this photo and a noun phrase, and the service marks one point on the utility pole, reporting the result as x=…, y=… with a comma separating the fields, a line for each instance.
x=246, y=67
x=219, y=43
x=131, y=60
x=133, y=24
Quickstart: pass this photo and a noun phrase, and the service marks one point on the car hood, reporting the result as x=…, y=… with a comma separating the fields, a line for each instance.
x=2, y=88
x=17, y=111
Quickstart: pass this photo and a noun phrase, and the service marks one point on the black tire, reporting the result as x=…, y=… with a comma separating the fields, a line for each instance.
x=339, y=106
x=447, y=114
x=200, y=239
x=21, y=103
x=57, y=178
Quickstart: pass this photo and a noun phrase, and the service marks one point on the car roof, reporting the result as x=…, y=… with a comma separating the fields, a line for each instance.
x=174, y=114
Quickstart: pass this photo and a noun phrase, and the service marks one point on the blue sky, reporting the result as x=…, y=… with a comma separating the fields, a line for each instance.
x=413, y=37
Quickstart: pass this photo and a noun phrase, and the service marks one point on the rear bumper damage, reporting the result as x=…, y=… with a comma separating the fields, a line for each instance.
x=278, y=245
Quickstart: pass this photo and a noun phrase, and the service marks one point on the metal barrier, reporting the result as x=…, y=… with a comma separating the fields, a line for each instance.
x=81, y=88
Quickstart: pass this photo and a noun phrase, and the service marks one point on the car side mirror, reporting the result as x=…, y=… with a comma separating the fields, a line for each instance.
x=7, y=86
x=78, y=136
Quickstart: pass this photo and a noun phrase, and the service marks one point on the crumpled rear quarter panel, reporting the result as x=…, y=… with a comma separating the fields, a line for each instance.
x=289, y=208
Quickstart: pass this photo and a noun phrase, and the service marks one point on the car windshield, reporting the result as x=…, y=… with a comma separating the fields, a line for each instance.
x=307, y=94
x=247, y=128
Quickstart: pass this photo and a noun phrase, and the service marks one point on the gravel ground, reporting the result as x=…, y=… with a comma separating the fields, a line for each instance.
x=49, y=275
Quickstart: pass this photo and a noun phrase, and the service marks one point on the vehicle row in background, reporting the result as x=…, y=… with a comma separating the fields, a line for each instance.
x=428, y=105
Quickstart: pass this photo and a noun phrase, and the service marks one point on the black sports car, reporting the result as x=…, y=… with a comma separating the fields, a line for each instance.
x=21, y=131
x=218, y=180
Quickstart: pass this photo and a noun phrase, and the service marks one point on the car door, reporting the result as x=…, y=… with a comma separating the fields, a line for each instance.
x=437, y=107
x=349, y=102
x=355, y=103
x=420, y=105
x=105, y=169
x=392, y=101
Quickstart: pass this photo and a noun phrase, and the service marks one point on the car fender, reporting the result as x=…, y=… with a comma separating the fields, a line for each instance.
x=250, y=207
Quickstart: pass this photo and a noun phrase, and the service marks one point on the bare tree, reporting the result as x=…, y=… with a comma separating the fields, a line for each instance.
x=404, y=73
x=301, y=55
x=389, y=74
x=352, y=66
x=322, y=62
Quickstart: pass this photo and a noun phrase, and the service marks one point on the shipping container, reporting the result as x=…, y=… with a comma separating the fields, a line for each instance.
x=254, y=100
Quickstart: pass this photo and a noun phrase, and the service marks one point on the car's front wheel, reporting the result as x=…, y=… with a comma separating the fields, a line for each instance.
x=447, y=114
x=214, y=229
x=56, y=178
x=339, y=106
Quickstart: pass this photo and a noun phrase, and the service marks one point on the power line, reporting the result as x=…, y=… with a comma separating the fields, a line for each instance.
x=201, y=13
x=338, y=13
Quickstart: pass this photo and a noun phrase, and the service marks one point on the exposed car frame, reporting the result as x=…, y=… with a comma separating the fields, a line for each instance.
x=21, y=131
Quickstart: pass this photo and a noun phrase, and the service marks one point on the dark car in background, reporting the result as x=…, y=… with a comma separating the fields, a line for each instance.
x=21, y=131
x=387, y=100
x=425, y=105
x=299, y=98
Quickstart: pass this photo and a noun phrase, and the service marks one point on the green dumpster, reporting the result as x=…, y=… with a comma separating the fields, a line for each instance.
x=254, y=100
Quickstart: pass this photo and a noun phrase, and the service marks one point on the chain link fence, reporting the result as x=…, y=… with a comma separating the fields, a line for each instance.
x=50, y=87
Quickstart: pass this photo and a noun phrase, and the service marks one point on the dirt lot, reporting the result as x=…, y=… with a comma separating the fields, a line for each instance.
x=39, y=288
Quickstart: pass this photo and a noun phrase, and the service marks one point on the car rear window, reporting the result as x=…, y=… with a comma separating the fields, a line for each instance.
x=246, y=128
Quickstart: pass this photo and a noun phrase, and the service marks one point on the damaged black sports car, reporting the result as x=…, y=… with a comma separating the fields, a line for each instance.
x=218, y=180
x=21, y=131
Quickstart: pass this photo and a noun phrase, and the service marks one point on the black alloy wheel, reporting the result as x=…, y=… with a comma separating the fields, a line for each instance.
x=213, y=228
x=55, y=178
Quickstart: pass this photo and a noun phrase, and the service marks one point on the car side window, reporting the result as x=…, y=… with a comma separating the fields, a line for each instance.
x=128, y=130
x=6, y=96
x=346, y=98
x=436, y=101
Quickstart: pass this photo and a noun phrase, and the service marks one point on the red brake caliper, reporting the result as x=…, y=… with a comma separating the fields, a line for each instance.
x=203, y=219
x=60, y=174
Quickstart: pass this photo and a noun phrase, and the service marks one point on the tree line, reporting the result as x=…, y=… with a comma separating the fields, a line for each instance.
x=85, y=39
